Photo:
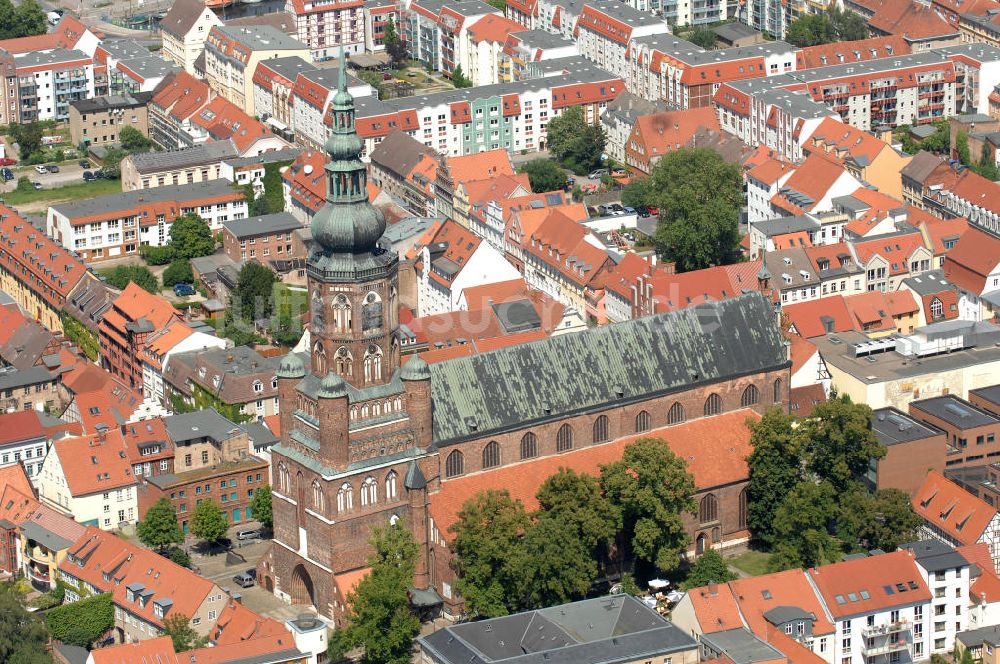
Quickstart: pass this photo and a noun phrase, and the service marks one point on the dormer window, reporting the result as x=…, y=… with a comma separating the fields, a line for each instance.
x=258, y=386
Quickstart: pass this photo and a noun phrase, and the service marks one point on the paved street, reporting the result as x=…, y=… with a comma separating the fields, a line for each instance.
x=70, y=173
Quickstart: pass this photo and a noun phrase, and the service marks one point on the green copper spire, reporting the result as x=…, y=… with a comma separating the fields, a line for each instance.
x=347, y=224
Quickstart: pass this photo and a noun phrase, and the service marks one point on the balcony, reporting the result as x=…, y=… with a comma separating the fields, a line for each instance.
x=37, y=555
x=897, y=645
x=883, y=630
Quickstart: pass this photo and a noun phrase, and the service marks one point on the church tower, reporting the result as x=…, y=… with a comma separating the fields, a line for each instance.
x=353, y=282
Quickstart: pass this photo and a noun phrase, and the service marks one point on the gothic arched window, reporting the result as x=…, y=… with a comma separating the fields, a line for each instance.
x=342, y=313
x=529, y=446
x=601, y=429
x=751, y=396
x=708, y=509
x=454, y=465
x=777, y=390
x=713, y=404
x=676, y=414
x=390, y=485
x=319, y=359
x=373, y=364
x=491, y=454
x=642, y=421
x=343, y=362
x=564, y=439
x=345, y=498
x=317, y=497
x=369, y=491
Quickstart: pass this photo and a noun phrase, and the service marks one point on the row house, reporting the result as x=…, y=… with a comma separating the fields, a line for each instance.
x=378, y=14
x=868, y=158
x=117, y=225
x=605, y=28
x=510, y=116
x=184, y=30
x=173, y=108
x=401, y=166
x=146, y=588
x=656, y=135
x=273, y=83
x=303, y=185
x=91, y=478
x=956, y=517
x=486, y=40
x=232, y=54
x=222, y=120
x=155, y=354
x=973, y=265
x=212, y=461
x=310, y=101
x=326, y=26
x=977, y=73
x=436, y=31
x=523, y=47
x=921, y=26
x=134, y=316
x=240, y=379
x=37, y=272
x=24, y=442
x=495, y=203
x=563, y=259
x=98, y=121
x=199, y=163
x=449, y=259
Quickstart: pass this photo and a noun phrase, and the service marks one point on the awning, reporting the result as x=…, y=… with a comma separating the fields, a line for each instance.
x=425, y=598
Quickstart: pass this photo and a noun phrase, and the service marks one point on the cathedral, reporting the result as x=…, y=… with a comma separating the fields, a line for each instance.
x=367, y=440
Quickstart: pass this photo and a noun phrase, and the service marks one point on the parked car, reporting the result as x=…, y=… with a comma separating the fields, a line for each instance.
x=52, y=168
x=630, y=210
x=252, y=572
x=36, y=184
x=7, y=174
x=41, y=170
x=642, y=211
x=597, y=174
x=244, y=580
x=88, y=176
x=253, y=533
x=7, y=161
x=617, y=207
x=99, y=174
x=183, y=290
x=604, y=209
x=652, y=210
x=84, y=163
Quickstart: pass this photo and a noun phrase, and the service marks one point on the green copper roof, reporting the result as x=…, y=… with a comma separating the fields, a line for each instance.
x=573, y=373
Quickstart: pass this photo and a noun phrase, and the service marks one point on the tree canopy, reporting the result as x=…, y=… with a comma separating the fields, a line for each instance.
x=833, y=26
x=208, y=523
x=23, y=636
x=82, y=622
x=179, y=272
x=178, y=627
x=27, y=136
x=700, y=197
x=159, y=528
x=459, y=79
x=133, y=140
x=838, y=442
x=121, y=275
x=112, y=164
x=544, y=175
x=190, y=237
x=774, y=471
x=652, y=487
x=709, y=568
x=394, y=46
x=255, y=288
x=576, y=143
x=379, y=618
x=260, y=505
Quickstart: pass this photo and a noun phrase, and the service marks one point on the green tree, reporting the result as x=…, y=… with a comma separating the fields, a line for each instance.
x=122, y=275
x=487, y=552
x=652, y=487
x=159, y=528
x=23, y=636
x=112, y=165
x=810, y=30
x=774, y=471
x=987, y=166
x=499, y=4
x=82, y=622
x=558, y=566
x=6, y=19
x=394, y=46
x=208, y=523
x=29, y=20
x=544, y=175
x=190, y=237
x=255, y=286
x=962, y=147
x=286, y=330
x=28, y=138
x=24, y=185
x=700, y=197
x=459, y=79
x=881, y=520
x=847, y=25
x=178, y=627
x=802, y=527
x=132, y=140
x=702, y=36
x=379, y=618
x=239, y=331
x=577, y=144
x=180, y=556
x=179, y=272
x=709, y=568
x=639, y=191
x=260, y=506
x=838, y=442
x=576, y=499
x=154, y=255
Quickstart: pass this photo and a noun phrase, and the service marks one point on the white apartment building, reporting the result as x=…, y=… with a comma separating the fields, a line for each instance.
x=947, y=575
x=326, y=25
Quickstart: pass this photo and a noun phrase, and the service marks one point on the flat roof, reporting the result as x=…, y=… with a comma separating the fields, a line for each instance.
x=109, y=102
x=889, y=366
x=741, y=646
x=198, y=155
x=893, y=426
x=934, y=555
x=127, y=199
x=991, y=393
x=955, y=411
x=265, y=225
x=783, y=225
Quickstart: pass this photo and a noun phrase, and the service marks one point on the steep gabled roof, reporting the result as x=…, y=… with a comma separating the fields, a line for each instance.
x=873, y=583
x=952, y=509
x=181, y=17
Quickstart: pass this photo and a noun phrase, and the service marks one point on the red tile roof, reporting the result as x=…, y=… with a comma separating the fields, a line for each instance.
x=223, y=120
x=181, y=95
x=813, y=177
x=93, y=464
x=20, y=426
x=716, y=608
x=973, y=258
x=306, y=179
x=714, y=449
x=978, y=553
x=770, y=170
x=14, y=477
x=802, y=400
x=850, y=51
x=910, y=20
x=936, y=231
x=65, y=35
x=896, y=250
x=807, y=317
x=100, y=398
x=758, y=595
x=493, y=28
x=684, y=289
x=841, y=140
x=45, y=267
x=949, y=508
x=238, y=624
x=567, y=246
x=660, y=133
x=480, y=166
x=852, y=580
x=159, y=650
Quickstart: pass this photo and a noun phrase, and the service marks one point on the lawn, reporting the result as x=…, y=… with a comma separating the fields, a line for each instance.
x=752, y=562
x=290, y=300
x=80, y=190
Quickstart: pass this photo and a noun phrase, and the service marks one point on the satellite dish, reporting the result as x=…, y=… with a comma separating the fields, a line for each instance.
x=308, y=169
